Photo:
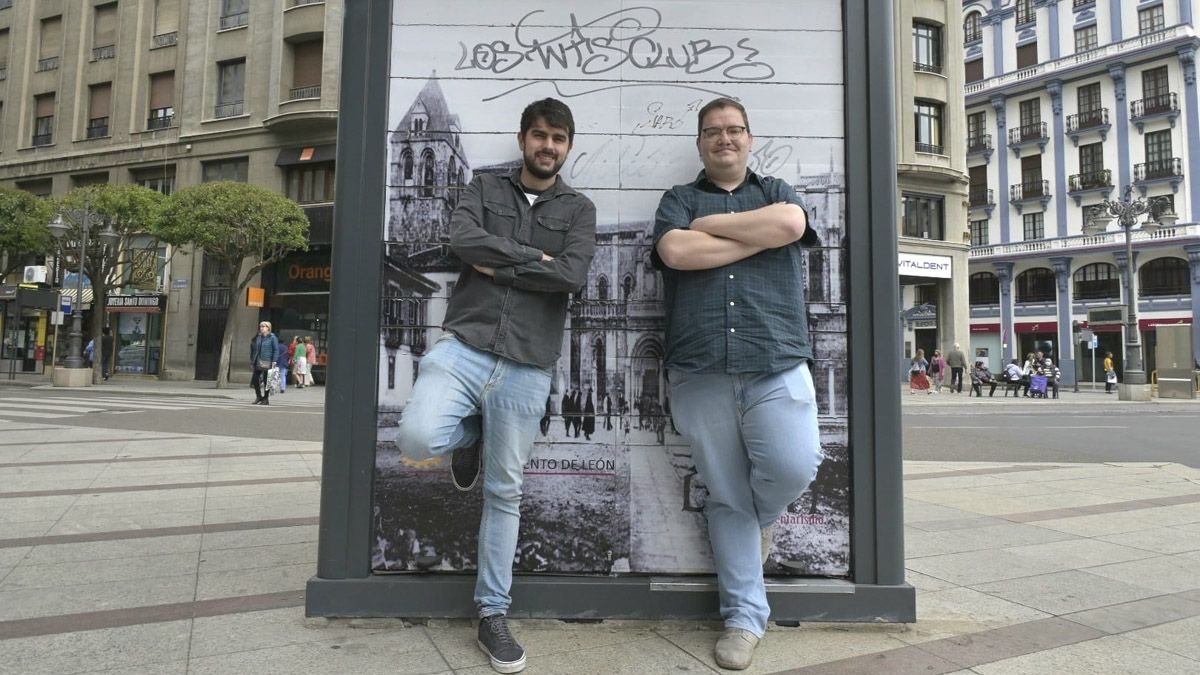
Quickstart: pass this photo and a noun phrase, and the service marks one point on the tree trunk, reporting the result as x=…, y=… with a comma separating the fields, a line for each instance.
x=99, y=293
x=223, y=362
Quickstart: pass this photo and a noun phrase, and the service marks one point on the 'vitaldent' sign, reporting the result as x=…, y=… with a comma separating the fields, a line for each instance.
x=916, y=265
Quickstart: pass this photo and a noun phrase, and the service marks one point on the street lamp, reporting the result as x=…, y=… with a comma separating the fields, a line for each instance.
x=59, y=228
x=1126, y=212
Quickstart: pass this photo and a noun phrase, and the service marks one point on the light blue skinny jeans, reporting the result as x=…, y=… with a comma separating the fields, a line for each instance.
x=461, y=394
x=756, y=444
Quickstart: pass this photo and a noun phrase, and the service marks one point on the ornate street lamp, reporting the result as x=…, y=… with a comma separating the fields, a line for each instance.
x=1126, y=212
x=108, y=237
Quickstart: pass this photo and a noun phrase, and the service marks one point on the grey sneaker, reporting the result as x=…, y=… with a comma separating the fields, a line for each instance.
x=768, y=540
x=497, y=641
x=735, y=649
x=465, y=463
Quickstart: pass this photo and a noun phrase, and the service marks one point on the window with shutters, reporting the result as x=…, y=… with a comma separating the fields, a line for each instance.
x=928, y=118
x=974, y=70
x=1091, y=166
x=162, y=100
x=1026, y=13
x=972, y=28
x=979, y=232
x=104, y=31
x=1089, y=98
x=166, y=22
x=310, y=184
x=49, y=43
x=1027, y=55
x=1035, y=226
x=977, y=138
x=231, y=83
x=43, y=119
x=236, y=169
x=1086, y=38
x=1155, y=83
x=99, y=107
x=927, y=47
x=1158, y=147
x=1031, y=175
x=306, y=70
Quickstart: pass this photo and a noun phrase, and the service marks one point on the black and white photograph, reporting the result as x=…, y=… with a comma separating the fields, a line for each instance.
x=610, y=487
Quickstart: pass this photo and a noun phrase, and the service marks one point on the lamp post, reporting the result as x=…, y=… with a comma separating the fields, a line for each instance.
x=84, y=218
x=1126, y=212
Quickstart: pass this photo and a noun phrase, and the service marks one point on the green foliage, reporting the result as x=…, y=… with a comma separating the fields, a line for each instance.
x=131, y=209
x=23, y=231
x=234, y=222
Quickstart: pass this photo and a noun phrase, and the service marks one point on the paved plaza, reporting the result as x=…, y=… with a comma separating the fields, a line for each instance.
x=149, y=552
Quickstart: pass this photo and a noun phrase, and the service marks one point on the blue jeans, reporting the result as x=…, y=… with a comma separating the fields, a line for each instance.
x=756, y=444
x=282, y=379
x=461, y=395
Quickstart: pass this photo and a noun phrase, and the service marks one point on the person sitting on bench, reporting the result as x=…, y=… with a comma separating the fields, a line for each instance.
x=980, y=375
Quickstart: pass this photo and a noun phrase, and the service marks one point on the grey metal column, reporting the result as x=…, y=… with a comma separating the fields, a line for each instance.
x=1008, y=336
x=1193, y=251
x=1065, y=348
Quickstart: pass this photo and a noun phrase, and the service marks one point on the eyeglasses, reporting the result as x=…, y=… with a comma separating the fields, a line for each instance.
x=713, y=133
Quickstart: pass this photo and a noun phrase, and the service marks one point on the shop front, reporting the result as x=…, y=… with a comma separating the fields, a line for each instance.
x=137, y=325
x=23, y=328
x=298, y=305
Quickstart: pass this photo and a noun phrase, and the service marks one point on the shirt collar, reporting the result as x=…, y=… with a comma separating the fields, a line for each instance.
x=703, y=183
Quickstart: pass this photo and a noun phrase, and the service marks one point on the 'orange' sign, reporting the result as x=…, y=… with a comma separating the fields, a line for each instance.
x=256, y=297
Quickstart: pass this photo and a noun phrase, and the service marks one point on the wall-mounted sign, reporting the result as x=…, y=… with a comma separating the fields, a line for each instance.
x=918, y=265
x=255, y=297
x=150, y=304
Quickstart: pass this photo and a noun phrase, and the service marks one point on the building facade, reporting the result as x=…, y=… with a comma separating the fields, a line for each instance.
x=1070, y=103
x=171, y=93
x=931, y=176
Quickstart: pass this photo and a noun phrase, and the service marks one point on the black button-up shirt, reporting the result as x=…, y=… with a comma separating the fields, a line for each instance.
x=520, y=313
x=746, y=317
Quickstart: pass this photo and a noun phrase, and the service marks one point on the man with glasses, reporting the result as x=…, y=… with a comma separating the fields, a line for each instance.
x=729, y=246
x=526, y=240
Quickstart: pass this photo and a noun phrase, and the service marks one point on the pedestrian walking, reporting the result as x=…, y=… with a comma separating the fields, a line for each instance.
x=264, y=349
x=567, y=412
x=957, y=361
x=107, y=345
x=310, y=352
x=741, y=382
x=1110, y=373
x=608, y=411
x=589, y=416
x=299, y=361
x=937, y=369
x=918, y=378
x=483, y=384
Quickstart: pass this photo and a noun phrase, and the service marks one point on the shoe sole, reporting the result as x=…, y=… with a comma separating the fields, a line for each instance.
x=474, y=482
x=502, y=666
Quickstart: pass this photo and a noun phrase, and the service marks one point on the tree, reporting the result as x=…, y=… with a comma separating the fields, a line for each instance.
x=23, y=231
x=243, y=226
x=135, y=214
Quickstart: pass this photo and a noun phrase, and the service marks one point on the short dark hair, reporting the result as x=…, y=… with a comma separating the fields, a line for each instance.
x=722, y=102
x=553, y=111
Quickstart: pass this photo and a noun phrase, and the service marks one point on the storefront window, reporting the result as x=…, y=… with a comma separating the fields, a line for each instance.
x=139, y=343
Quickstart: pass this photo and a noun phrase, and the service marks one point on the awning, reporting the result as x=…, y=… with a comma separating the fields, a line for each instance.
x=307, y=155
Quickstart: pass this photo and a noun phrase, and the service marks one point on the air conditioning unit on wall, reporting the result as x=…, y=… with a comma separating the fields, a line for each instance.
x=35, y=274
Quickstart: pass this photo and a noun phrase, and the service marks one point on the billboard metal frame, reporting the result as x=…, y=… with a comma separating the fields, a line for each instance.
x=345, y=586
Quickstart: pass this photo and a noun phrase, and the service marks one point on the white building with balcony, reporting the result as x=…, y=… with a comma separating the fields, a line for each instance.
x=1070, y=102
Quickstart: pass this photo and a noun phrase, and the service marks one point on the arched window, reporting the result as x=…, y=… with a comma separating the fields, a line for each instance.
x=1098, y=281
x=627, y=287
x=972, y=29
x=452, y=171
x=1164, y=276
x=408, y=166
x=460, y=177
x=1036, y=285
x=427, y=172
x=602, y=288
x=984, y=289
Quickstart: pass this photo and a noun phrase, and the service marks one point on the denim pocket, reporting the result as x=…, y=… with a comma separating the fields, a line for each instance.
x=799, y=383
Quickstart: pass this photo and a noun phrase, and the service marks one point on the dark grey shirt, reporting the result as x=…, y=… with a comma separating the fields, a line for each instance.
x=520, y=313
x=747, y=317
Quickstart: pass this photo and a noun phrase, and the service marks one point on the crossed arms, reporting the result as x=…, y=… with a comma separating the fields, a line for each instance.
x=724, y=238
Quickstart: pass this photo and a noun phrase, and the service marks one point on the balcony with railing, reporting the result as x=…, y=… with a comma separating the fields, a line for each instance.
x=43, y=139
x=1082, y=3
x=298, y=93
x=231, y=109
x=97, y=127
x=229, y=21
x=48, y=63
x=1169, y=170
x=1088, y=121
x=929, y=148
x=1090, y=182
x=979, y=144
x=165, y=39
x=160, y=118
x=1162, y=106
x=104, y=52
x=972, y=34
x=927, y=67
x=1028, y=192
x=981, y=197
x=1027, y=134
x=1111, y=240
x=1175, y=35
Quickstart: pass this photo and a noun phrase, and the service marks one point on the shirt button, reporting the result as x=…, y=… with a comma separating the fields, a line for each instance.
x=730, y=276
x=731, y=303
x=732, y=330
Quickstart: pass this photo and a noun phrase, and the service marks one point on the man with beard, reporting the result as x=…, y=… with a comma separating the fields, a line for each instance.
x=527, y=240
x=729, y=245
